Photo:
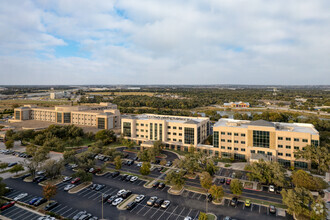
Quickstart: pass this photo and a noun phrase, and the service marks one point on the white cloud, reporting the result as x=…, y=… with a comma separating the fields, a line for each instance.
x=174, y=41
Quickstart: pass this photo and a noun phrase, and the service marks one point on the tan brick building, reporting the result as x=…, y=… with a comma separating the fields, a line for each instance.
x=176, y=132
x=252, y=140
x=102, y=116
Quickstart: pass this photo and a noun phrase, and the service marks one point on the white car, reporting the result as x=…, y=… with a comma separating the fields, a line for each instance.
x=20, y=196
x=68, y=187
x=134, y=178
x=47, y=217
x=117, y=201
x=188, y=218
x=139, y=164
x=67, y=178
x=139, y=198
x=271, y=188
x=74, y=166
x=165, y=204
x=121, y=192
x=39, y=173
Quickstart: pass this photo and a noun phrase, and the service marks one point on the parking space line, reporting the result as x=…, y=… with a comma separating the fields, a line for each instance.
x=199, y=196
x=88, y=193
x=53, y=209
x=189, y=212
x=82, y=191
x=19, y=214
x=141, y=209
x=15, y=194
x=154, y=213
x=196, y=214
x=180, y=212
x=172, y=213
x=61, y=208
x=147, y=211
x=140, y=183
x=135, y=207
x=17, y=211
x=252, y=207
x=66, y=211
x=11, y=210
x=28, y=216
x=259, y=208
x=73, y=213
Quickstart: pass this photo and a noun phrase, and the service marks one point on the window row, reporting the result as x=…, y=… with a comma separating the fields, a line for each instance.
x=230, y=148
x=289, y=139
x=230, y=141
x=235, y=134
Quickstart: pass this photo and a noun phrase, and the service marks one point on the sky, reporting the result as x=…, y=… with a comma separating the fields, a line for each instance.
x=70, y=42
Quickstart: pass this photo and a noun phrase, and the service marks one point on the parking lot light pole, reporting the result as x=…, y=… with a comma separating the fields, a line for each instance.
x=102, y=204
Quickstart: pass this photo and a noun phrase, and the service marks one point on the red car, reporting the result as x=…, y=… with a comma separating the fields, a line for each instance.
x=7, y=205
x=228, y=181
x=76, y=180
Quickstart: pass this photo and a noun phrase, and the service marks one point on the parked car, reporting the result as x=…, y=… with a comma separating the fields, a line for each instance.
x=7, y=205
x=272, y=209
x=93, y=186
x=130, y=162
x=106, y=197
x=155, y=184
x=85, y=216
x=116, y=173
x=41, y=172
x=161, y=185
x=25, y=175
x=228, y=181
x=271, y=188
x=139, y=198
x=40, y=179
x=67, y=178
x=169, y=163
x=68, y=187
x=40, y=201
x=234, y=201
x=139, y=164
x=32, y=201
x=152, y=200
x=157, y=162
x=75, y=180
x=51, y=205
x=135, y=158
x=222, y=180
x=74, y=166
x=117, y=201
x=165, y=204
x=247, y=203
x=99, y=187
x=134, y=178
x=227, y=218
x=112, y=198
x=126, y=194
x=12, y=164
x=77, y=216
x=123, y=177
x=188, y=218
x=160, y=169
x=131, y=205
x=20, y=196
x=95, y=171
x=121, y=192
x=128, y=178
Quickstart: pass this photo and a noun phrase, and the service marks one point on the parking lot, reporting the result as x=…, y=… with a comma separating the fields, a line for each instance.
x=230, y=173
x=16, y=212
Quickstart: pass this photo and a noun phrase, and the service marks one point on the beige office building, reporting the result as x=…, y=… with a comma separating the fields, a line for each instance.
x=253, y=140
x=176, y=132
x=102, y=116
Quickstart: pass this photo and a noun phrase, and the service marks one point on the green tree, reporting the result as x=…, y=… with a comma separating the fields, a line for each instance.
x=69, y=156
x=38, y=156
x=206, y=180
x=217, y=192
x=157, y=147
x=16, y=168
x=83, y=175
x=53, y=168
x=9, y=144
x=3, y=189
x=85, y=160
x=145, y=168
x=211, y=168
x=298, y=201
x=128, y=143
x=301, y=178
x=163, y=162
x=236, y=187
x=3, y=165
x=49, y=191
x=319, y=155
x=202, y=216
x=106, y=136
x=176, y=179
x=118, y=162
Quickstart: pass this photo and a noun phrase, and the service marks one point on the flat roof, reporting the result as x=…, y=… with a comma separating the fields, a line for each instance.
x=279, y=126
x=168, y=118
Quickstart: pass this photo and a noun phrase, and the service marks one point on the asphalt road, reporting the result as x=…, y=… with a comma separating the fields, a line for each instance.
x=188, y=204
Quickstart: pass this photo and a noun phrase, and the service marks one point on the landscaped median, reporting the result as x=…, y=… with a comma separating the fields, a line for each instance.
x=174, y=191
x=55, y=181
x=80, y=187
x=131, y=198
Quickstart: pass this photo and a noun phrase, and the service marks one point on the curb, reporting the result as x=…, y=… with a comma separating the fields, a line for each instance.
x=173, y=193
x=30, y=210
x=87, y=185
x=126, y=201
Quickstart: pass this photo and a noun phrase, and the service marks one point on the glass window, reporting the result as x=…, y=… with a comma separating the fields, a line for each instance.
x=288, y=155
x=315, y=143
x=236, y=142
x=296, y=139
x=223, y=147
x=101, y=123
x=261, y=139
x=280, y=138
x=216, y=138
x=261, y=152
x=223, y=140
x=296, y=147
x=253, y=151
x=189, y=135
x=280, y=154
x=288, y=147
x=198, y=135
x=223, y=133
x=288, y=139
x=127, y=129
x=300, y=164
x=229, y=133
x=229, y=148
x=280, y=146
x=17, y=115
x=160, y=132
x=235, y=148
x=243, y=135
x=242, y=142
x=168, y=126
x=59, y=117
x=180, y=128
x=285, y=163
x=180, y=134
x=174, y=127
x=269, y=153
x=174, y=133
x=151, y=128
x=235, y=134
x=305, y=140
x=239, y=156
x=242, y=149
x=229, y=141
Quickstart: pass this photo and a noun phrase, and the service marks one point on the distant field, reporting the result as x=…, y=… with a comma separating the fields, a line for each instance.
x=25, y=102
x=122, y=93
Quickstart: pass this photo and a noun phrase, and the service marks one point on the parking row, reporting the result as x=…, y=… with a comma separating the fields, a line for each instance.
x=194, y=195
x=251, y=208
x=16, y=212
x=232, y=173
x=174, y=211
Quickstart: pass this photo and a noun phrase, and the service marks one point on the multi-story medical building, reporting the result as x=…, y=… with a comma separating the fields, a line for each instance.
x=252, y=140
x=176, y=132
x=236, y=105
x=102, y=116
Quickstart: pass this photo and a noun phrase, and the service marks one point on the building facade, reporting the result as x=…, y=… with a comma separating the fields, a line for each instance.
x=102, y=116
x=242, y=139
x=176, y=132
x=236, y=105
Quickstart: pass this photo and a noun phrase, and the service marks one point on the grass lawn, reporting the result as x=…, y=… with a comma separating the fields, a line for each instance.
x=266, y=203
x=197, y=189
x=210, y=217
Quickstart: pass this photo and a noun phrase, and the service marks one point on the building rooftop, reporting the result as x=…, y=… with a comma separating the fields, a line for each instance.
x=168, y=118
x=279, y=126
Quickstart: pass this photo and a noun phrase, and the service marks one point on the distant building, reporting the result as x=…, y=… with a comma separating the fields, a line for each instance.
x=236, y=105
x=176, y=132
x=253, y=140
x=102, y=116
x=59, y=95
